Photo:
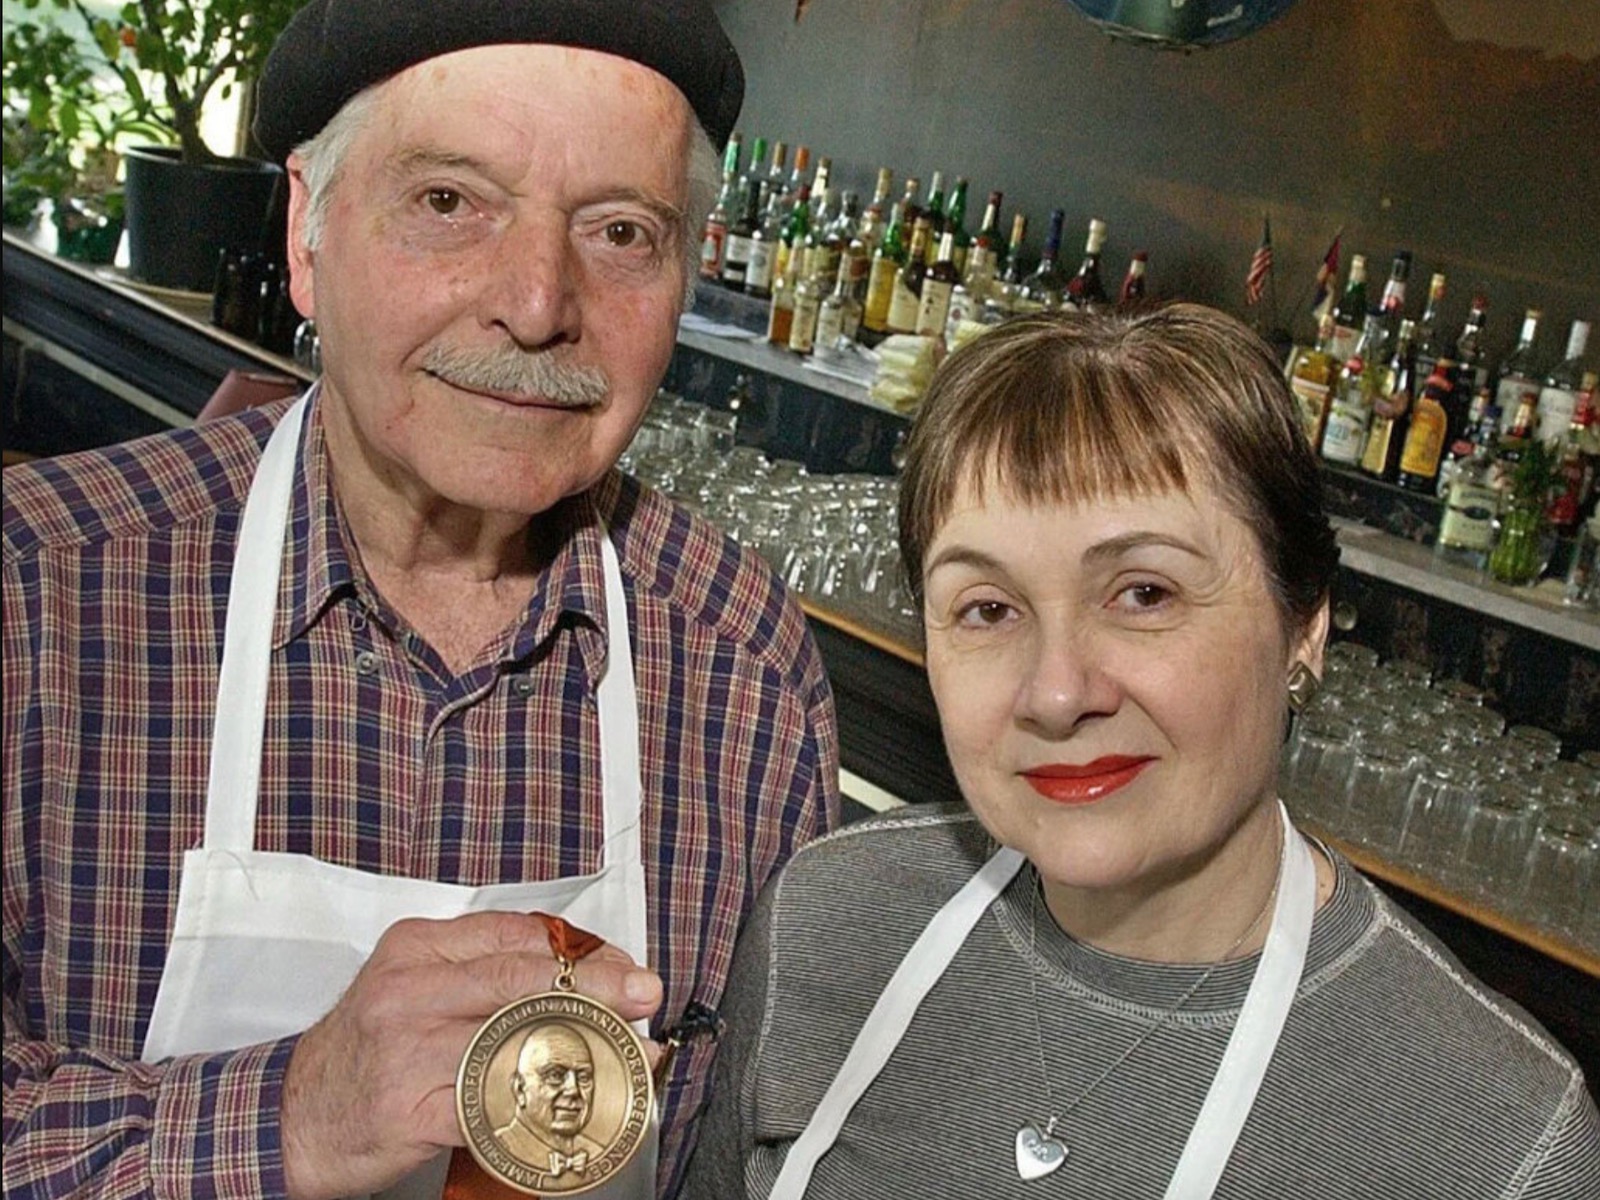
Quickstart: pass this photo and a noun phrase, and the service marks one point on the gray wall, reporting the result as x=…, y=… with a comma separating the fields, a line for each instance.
x=1399, y=120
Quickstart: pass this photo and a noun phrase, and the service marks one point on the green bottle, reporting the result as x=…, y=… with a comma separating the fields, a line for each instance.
x=955, y=223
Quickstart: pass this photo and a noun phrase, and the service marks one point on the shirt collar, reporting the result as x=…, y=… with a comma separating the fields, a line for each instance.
x=321, y=566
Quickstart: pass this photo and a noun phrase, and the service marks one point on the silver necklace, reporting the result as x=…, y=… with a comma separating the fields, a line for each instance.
x=1039, y=1151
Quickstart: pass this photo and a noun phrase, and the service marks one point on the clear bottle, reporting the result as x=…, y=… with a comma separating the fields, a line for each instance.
x=933, y=310
x=1393, y=302
x=1471, y=504
x=1558, y=398
x=1133, y=283
x=1482, y=422
x=1007, y=289
x=1391, y=410
x=984, y=255
x=1349, y=315
x=1469, y=346
x=839, y=318
x=723, y=212
x=1313, y=373
x=1350, y=411
x=764, y=245
x=1085, y=290
x=1429, y=341
x=1519, y=373
x=1041, y=290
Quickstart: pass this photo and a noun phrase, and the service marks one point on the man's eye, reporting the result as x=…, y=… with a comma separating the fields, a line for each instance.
x=444, y=201
x=623, y=233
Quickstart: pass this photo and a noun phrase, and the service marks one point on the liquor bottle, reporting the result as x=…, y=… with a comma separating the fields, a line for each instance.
x=740, y=239
x=807, y=304
x=1429, y=341
x=838, y=319
x=1349, y=315
x=772, y=181
x=1313, y=373
x=934, y=306
x=1576, y=462
x=1041, y=290
x=1133, y=283
x=906, y=299
x=1393, y=302
x=1350, y=410
x=785, y=286
x=1558, y=398
x=935, y=214
x=1469, y=345
x=822, y=192
x=887, y=260
x=751, y=179
x=795, y=229
x=1085, y=290
x=764, y=244
x=722, y=212
x=797, y=177
x=955, y=221
x=1471, y=503
x=983, y=256
x=1481, y=425
x=876, y=219
x=827, y=243
x=1007, y=289
x=1519, y=373
x=1429, y=433
x=1391, y=410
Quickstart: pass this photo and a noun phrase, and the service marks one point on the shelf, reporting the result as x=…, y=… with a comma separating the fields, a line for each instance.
x=1409, y=565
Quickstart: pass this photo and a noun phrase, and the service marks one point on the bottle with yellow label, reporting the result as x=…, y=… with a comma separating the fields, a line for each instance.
x=1429, y=431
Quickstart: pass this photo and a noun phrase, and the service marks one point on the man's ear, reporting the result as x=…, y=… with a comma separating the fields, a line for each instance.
x=302, y=259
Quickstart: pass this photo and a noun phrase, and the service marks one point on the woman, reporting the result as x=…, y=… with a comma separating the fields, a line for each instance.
x=1120, y=972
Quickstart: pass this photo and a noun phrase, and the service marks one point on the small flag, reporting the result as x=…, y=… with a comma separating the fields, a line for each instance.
x=1327, y=275
x=1255, y=283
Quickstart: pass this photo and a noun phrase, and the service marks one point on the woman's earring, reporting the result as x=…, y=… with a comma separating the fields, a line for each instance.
x=1303, y=686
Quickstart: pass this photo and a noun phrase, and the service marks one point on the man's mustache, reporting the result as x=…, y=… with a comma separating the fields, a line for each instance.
x=532, y=373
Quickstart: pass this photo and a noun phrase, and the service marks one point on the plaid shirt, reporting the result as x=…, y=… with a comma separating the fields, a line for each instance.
x=376, y=756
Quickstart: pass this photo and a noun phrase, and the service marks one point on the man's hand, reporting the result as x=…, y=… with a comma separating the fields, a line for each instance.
x=370, y=1090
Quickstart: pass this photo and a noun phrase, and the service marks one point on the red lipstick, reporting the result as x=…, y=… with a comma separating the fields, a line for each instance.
x=1084, y=783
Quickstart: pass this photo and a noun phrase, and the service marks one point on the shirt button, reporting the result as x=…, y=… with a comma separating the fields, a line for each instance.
x=522, y=686
x=366, y=663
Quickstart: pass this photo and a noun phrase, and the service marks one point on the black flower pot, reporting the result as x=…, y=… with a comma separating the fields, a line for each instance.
x=181, y=216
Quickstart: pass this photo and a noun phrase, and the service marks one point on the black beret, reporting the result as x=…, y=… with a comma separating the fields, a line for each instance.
x=333, y=49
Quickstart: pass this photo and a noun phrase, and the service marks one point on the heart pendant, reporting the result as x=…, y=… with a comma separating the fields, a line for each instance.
x=1038, y=1155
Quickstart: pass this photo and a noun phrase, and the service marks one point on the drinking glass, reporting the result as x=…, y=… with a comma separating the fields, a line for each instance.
x=1499, y=834
x=1560, y=875
x=1377, y=789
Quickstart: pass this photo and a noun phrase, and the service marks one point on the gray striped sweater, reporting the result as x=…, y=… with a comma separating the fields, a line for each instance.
x=1398, y=1076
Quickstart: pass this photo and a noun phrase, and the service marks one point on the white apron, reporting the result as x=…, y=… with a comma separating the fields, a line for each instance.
x=1232, y=1092
x=264, y=943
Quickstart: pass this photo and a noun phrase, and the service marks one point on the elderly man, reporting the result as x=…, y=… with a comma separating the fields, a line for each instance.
x=307, y=709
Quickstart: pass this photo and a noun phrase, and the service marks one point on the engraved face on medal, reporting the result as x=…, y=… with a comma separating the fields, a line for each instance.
x=554, y=1094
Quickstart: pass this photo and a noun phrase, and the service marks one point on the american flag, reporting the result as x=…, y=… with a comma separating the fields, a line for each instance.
x=1327, y=273
x=1255, y=283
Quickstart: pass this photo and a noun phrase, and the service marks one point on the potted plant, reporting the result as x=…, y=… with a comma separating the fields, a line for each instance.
x=62, y=125
x=185, y=202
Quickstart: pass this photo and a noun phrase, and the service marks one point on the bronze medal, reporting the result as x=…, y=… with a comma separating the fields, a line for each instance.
x=554, y=1094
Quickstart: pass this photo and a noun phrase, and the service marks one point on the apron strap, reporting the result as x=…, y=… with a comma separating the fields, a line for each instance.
x=622, y=784
x=236, y=736
x=913, y=979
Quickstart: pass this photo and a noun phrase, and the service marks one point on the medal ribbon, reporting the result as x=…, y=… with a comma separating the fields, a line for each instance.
x=467, y=1180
